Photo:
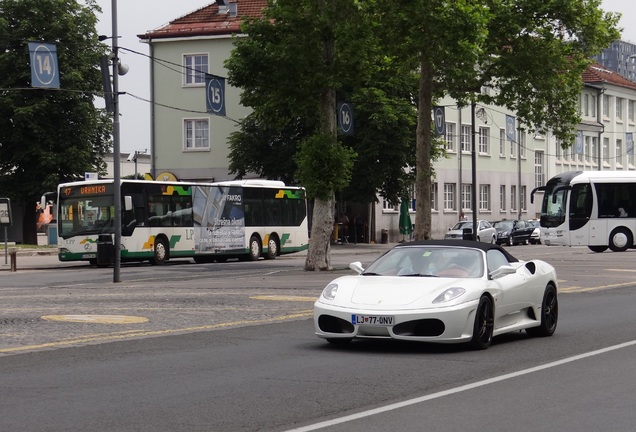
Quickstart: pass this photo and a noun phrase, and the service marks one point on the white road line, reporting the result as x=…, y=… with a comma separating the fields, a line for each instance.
x=459, y=389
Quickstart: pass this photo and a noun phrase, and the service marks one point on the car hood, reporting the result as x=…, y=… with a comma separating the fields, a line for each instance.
x=384, y=292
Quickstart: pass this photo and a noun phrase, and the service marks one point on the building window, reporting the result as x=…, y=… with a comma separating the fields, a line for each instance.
x=449, y=196
x=484, y=197
x=619, y=109
x=196, y=66
x=593, y=106
x=586, y=104
x=502, y=197
x=513, y=149
x=197, y=135
x=538, y=169
x=558, y=150
x=523, y=198
x=586, y=150
x=466, y=139
x=606, y=102
x=484, y=135
x=513, y=198
x=450, y=136
x=605, y=149
x=594, y=151
x=433, y=196
x=522, y=143
x=619, y=153
x=502, y=142
x=467, y=196
x=631, y=105
x=388, y=207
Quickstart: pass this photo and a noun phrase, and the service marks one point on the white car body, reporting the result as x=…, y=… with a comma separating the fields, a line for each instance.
x=405, y=307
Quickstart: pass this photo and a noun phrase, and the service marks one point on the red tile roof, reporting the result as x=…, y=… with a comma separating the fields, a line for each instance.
x=208, y=22
x=597, y=73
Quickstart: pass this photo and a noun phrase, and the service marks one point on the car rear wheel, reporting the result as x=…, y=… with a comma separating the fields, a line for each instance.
x=484, y=324
x=549, y=314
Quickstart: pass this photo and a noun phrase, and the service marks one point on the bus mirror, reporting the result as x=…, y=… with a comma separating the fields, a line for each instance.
x=128, y=204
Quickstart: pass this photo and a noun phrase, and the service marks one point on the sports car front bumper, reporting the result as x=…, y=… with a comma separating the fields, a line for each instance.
x=452, y=324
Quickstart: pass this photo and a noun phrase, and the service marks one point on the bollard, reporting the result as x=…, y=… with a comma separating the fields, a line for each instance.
x=13, y=256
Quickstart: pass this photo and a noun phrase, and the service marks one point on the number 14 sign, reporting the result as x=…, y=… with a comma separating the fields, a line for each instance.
x=44, y=68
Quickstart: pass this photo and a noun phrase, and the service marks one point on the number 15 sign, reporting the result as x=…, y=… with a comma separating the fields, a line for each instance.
x=44, y=68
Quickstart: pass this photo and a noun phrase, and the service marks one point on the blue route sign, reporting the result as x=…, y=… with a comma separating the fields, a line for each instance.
x=215, y=95
x=345, y=118
x=510, y=128
x=439, y=118
x=44, y=67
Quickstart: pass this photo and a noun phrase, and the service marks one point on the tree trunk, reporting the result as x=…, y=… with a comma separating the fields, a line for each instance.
x=321, y=230
x=423, y=153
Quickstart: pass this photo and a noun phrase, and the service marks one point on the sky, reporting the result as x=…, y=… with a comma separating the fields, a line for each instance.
x=138, y=16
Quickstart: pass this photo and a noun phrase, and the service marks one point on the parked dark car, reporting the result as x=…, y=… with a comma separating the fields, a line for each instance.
x=513, y=232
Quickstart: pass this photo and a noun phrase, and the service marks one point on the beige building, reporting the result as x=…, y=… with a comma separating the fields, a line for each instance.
x=192, y=143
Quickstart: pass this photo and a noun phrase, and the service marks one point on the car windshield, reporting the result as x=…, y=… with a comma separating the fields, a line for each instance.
x=431, y=261
x=506, y=225
x=462, y=225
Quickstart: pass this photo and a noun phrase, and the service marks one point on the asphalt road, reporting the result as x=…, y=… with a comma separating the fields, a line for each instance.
x=231, y=348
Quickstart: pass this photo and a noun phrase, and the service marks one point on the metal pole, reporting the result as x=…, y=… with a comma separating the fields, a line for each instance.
x=135, y=164
x=474, y=168
x=459, y=158
x=116, y=152
x=519, y=172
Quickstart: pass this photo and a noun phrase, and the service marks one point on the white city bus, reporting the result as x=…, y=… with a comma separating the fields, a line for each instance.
x=161, y=220
x=590, y=208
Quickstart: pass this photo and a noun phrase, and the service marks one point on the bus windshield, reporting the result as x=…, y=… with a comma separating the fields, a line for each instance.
x=85, y=215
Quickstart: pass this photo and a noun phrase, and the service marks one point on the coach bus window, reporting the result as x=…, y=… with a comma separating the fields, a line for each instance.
x=580, y=205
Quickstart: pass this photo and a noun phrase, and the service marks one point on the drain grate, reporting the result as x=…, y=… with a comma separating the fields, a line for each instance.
x=14, y=321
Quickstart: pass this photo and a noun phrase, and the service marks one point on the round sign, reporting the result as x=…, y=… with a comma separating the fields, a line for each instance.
x=215, y=95
x=44, y=66
x=439, y=120
x=345, y=117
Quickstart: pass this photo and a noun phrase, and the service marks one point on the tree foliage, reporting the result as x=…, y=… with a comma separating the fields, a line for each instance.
x=49, y=136
x=531, y=53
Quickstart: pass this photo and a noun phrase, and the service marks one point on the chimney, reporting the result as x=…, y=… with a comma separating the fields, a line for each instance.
x=233, y=8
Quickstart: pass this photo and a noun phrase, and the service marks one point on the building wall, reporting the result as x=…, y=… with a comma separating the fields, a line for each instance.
x=176, y=102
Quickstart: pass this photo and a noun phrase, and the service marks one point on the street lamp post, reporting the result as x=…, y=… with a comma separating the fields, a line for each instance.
x=116, y=150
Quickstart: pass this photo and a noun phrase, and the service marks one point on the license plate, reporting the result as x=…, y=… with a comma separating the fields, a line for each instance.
x=378, y=320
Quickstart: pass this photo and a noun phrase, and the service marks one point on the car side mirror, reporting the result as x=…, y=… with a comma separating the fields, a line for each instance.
x=356, y=267
x=502, y=271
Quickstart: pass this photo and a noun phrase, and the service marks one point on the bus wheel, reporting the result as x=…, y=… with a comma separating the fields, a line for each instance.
x=598, y=249
x=161, y=252
x=272, y=248
x=255, y=248
x=620, y=240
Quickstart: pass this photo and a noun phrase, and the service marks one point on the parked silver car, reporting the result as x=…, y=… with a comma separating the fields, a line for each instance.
x=485, y=231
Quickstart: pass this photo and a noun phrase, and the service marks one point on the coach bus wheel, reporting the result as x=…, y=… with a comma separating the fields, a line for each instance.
x=161, y=252
x=255, y=248
x=598, y=249
x=620, y=240
x=272, y=247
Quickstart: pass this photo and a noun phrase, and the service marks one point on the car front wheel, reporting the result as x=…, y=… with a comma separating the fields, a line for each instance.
x=484, y=324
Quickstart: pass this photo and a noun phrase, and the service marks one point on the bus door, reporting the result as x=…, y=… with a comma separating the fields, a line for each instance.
x=580, y=212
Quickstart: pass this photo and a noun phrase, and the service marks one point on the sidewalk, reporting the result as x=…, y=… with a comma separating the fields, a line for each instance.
x=31, y=259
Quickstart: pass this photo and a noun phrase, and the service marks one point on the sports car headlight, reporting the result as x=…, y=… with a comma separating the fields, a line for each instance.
x=449, y=294
x=330, y=291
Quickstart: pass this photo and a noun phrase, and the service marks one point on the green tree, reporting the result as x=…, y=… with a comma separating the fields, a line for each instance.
x=289, y=68
x=49, y=136
x=531, y=53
